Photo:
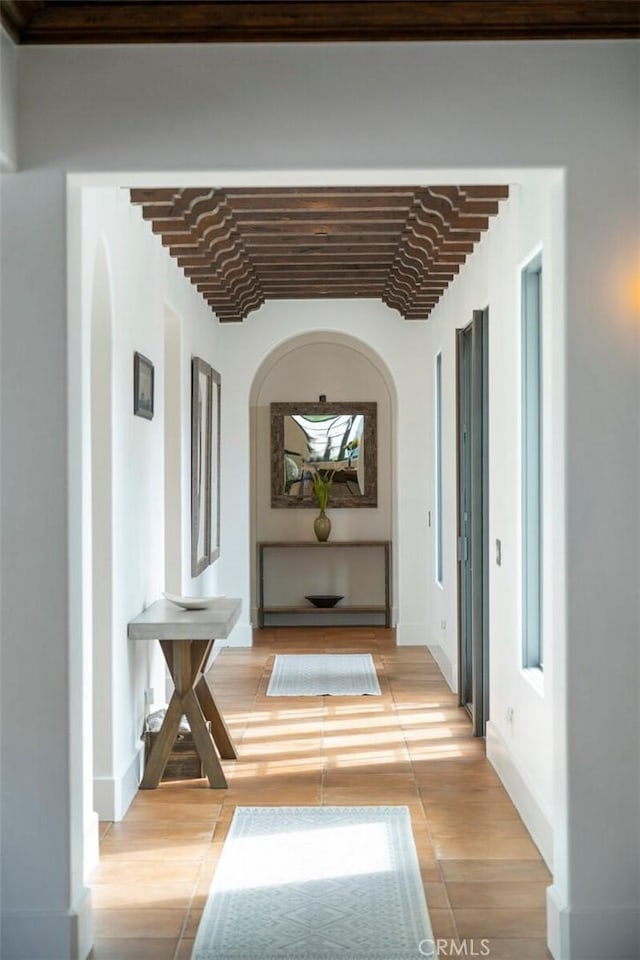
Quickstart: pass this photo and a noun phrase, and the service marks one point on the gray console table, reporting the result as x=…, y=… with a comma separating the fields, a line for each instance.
x=281, y=601
x=186, y=638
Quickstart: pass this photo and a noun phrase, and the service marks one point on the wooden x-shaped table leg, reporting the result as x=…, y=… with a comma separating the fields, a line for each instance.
x=192, y=697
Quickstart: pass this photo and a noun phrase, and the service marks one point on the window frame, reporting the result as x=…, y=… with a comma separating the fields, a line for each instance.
x=532, y=447
x=438, y=487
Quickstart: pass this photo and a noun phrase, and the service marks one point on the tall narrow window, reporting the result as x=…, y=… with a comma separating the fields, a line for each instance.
x=438, y=468
x=532, y=464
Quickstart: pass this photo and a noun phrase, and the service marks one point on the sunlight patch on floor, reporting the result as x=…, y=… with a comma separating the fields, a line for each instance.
x=352, y=708
x=297, y=856
x=362, y=739
x=275, y=731
x=272, y=768
x=387, y=722
x=377, y=758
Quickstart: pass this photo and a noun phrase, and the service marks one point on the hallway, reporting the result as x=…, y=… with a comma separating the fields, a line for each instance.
x=484, y=878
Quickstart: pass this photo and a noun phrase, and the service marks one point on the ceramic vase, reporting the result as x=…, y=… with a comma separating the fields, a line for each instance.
x=322, y=526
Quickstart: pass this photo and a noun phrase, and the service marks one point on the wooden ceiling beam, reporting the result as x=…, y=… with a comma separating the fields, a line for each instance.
x=327, y=293
x=251, y=219
x=472, y=207
x=322, y=280
x=321, y=192
x=16, y=16
x=325, y=245
x=319, y=203
x=178, y=21
x=337, y=268
x=153, y=211
x=368, y=253
x=483, y=191
x=331, y=283
x=480, y=191
x=308, y=227
x=153, y=194
x=276, y=259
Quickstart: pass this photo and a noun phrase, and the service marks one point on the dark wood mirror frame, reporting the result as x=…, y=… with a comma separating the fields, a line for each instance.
x=338, y=498
x=205, y=465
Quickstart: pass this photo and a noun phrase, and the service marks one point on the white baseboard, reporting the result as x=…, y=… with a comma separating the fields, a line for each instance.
x=112, y=796
x=48, y=934
x=83, y=931
x=445, y=665
x=594, y=933
x=536, y=820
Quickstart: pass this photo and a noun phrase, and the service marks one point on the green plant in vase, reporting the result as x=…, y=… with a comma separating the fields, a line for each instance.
x=322, y=490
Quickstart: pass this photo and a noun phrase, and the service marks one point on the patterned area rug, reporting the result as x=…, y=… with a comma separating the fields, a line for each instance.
x=316, y=883
x=308, y=675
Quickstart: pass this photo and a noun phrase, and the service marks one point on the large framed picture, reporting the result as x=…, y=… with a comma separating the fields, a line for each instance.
x=142, y=386
x=205, y=465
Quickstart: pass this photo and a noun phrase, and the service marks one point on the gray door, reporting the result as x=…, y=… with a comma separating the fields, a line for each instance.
x=473, y=511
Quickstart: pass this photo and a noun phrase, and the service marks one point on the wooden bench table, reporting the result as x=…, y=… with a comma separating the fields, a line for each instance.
x=186, y=638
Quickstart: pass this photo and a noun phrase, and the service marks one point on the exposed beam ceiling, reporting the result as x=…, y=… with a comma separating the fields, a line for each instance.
x=241, y=247
x=181, y=21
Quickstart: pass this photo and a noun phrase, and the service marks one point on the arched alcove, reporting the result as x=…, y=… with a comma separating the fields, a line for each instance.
x=302, y=368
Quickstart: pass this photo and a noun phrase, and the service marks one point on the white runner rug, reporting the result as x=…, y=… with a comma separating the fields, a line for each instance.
x=308, y=675
x=316, y=883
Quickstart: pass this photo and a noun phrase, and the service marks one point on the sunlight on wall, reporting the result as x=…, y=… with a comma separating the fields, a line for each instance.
x=623, y=287
x=631, y=293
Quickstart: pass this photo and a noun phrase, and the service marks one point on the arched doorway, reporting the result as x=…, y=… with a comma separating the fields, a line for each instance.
x=342, y=368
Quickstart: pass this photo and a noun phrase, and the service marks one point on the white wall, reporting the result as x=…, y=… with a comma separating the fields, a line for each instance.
x=523, y=750
x=448, y=113
x=142, y=282
x=44, y=900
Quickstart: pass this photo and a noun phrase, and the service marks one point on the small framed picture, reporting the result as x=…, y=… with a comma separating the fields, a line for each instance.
x=142, y=387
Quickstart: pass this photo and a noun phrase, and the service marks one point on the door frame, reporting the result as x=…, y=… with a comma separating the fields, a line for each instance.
x=472, y=383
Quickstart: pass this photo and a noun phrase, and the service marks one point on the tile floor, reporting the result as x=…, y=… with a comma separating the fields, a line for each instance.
x=484, y=878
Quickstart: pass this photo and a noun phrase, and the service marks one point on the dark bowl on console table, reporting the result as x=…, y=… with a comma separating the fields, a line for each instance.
x=323, y=599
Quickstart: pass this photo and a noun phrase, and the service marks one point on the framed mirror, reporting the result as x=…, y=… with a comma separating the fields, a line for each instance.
x=339, y=438
x=205, y=465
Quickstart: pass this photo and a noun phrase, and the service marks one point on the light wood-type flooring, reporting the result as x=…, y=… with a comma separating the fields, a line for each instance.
x=484, y=878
